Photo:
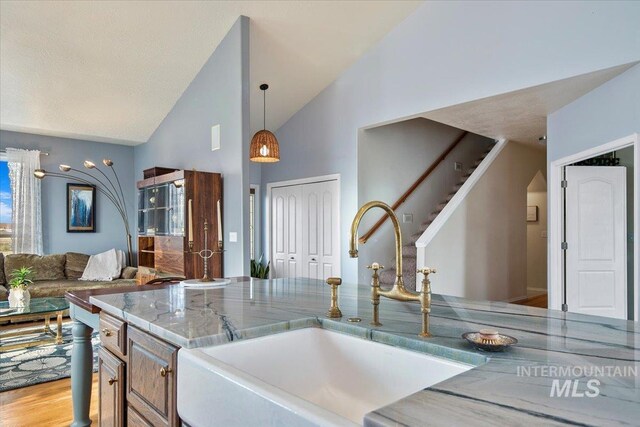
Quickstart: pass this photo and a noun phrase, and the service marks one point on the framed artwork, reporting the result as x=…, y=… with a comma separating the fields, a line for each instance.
x=532, y=213
x=81, y=208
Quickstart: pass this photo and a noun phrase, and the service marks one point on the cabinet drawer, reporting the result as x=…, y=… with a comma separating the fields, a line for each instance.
x=151, y=378
x=113, y=334
x=111, y=379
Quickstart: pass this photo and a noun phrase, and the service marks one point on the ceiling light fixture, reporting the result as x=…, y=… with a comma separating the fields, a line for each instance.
x=264, y=144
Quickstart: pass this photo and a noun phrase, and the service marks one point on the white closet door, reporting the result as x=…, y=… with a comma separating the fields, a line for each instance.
x=596, y=237
x=286, y=206
x=320, y=230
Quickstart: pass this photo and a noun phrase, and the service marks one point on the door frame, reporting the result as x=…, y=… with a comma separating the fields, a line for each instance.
x=555, y=258
x=300, y=181
x=257, y=236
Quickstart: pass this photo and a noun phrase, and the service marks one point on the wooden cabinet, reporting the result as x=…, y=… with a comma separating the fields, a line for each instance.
x=111, y=380
x=137, y=383
x=163, y=222
x=151, y=378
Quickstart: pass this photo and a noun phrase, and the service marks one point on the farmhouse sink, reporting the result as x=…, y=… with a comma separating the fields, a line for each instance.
x=309, y=376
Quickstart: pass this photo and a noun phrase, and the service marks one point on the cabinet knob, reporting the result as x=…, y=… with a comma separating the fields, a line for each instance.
x=164, y=371
x=106, y=332
x=112, y=380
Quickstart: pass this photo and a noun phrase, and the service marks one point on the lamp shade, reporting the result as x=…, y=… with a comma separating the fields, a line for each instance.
x=264, y=147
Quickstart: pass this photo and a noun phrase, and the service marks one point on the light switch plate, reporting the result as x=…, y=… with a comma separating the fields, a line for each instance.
x=215, y=137
x=407, y=218
x=233, y=236
x=457, y=166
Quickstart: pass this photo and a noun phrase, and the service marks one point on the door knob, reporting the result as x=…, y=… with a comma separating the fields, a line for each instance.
x=112, y=380
x=164, y=371
x=106, y=332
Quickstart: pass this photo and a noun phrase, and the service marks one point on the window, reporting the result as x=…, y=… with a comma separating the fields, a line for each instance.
x=5, y=207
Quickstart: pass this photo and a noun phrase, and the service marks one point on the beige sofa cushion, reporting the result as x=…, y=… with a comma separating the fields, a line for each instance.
x=75, y=265
x=129, y=273
x=47, y=267
x=3, y=278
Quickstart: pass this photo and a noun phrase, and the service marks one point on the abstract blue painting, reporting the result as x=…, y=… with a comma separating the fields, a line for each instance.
x=81, y=208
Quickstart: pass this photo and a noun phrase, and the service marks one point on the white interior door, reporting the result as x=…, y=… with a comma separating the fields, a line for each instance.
x=320, y=230
x=596, y=227
x=286, y=206
x=305, y=234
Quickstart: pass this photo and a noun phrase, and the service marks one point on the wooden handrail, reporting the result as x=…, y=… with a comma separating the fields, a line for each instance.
x=366, y=236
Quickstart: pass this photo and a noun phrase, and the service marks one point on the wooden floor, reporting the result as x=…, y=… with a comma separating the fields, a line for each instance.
x=539, y=301
x=43, y=405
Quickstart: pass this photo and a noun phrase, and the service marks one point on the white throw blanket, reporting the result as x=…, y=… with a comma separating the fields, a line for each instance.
x=105, y=266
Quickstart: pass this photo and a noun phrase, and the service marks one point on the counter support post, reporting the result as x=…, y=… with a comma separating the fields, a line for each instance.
x=81, y=373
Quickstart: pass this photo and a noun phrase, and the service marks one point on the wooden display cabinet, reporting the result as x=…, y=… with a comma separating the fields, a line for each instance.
x=163, y=223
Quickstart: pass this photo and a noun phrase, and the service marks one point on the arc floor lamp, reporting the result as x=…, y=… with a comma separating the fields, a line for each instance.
x=108, y=188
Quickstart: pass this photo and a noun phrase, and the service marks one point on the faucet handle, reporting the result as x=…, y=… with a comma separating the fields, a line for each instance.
x=334, y=311
x=375, y=266
x=334, y=281
x=426, y=271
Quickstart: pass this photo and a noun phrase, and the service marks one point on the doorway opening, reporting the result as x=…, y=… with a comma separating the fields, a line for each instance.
x=537, y=242
x=594, y=198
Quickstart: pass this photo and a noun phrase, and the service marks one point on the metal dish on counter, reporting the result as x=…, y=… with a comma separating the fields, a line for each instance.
x=489, y=340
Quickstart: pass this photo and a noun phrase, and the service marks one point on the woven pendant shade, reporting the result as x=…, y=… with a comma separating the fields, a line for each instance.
x=264, y=147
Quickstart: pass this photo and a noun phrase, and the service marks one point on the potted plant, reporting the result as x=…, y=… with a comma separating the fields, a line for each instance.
x=259, y=270
x=19, y=294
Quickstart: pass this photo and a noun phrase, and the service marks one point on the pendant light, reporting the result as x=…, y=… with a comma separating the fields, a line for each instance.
x=264, y=145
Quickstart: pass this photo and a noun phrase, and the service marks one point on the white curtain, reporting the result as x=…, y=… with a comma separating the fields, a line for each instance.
x=26, y=218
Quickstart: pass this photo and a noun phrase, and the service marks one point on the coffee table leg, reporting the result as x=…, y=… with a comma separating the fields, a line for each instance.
x=47, y=320
x=59, y=332
x=81, y=372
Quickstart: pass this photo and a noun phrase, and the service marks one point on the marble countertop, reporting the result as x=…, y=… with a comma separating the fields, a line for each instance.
x=599, y=357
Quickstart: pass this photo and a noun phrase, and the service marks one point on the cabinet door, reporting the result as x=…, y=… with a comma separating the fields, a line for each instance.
x=111, y=379
x=286, y=206
x=151, y=378
x=134, y=419
x=320, y=230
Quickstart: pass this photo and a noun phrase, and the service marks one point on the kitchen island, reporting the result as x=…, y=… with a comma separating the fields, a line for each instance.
x=507, y=388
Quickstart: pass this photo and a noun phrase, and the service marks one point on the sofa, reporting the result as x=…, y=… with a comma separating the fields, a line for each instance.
x=53, y=275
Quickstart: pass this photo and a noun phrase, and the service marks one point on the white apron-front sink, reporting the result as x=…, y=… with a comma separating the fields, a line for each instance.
x=308, y=376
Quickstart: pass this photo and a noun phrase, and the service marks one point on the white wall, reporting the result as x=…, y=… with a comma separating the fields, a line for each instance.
x=536, y=237
x=480, y=252
x=390, y=159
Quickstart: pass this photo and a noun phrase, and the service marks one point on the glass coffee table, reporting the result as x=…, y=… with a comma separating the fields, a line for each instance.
x=38, y=308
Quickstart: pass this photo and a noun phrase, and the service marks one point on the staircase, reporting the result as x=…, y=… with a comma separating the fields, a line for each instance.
x=409, y=250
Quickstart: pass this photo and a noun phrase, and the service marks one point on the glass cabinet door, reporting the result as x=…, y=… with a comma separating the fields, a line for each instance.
x=142, y=230
x=176, y=204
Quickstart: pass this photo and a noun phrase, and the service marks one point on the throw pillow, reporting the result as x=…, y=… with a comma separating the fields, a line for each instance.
x=47, y=267
x=75, y=265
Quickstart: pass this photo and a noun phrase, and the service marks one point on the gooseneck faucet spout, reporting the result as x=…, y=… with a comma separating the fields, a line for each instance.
x=353, y=243
x=398, y=291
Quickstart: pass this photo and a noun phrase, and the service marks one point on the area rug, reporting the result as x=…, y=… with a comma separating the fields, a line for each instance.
x=40, y=364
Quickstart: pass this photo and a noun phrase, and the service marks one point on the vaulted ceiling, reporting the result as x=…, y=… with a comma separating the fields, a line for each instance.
x=111, y=71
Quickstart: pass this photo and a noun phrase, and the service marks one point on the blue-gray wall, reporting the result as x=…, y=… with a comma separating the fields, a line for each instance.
x=219, y=94
x=609, y=112
x=109, y=226
x=443, y=54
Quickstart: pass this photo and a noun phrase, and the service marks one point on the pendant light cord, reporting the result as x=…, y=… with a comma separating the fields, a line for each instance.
x=264, y=109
